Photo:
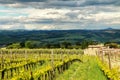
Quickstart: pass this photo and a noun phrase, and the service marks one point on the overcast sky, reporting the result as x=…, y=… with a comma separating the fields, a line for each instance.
x=59, y=14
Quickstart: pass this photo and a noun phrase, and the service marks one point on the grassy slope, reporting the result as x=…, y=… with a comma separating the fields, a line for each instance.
x=88, y=70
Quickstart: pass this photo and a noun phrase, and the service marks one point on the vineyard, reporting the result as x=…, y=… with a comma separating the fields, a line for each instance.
x=50, y=64
x=35, y=64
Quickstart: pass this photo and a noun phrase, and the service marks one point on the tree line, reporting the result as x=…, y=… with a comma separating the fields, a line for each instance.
x=64, y=44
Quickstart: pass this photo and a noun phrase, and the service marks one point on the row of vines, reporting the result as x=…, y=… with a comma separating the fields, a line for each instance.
x=109, y=62
x=35, y=64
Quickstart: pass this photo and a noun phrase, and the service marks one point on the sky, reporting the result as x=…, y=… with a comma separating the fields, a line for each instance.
x=59, y=14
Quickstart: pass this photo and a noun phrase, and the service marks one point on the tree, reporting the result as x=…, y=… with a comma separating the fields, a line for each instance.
x=47, y=45
x=65, y=44
x=77, y=43
x=111, y=45
x=22, y=44
x=14, y=46
x=31, y=44
x=84, y=44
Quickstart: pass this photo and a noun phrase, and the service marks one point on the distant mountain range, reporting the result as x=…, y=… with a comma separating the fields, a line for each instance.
x=109, y=28
x=55, y=36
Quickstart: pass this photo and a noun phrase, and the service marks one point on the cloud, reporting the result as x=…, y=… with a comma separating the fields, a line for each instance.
x=58, y=14
x=39, y=27
x=58, y=3
x=16, y=1
x=48, y=13
x=60, y=18
x=11, y=26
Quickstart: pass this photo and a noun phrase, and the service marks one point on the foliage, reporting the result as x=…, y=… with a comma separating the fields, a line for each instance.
x=112, y=74
x=65, y=44
x=111, y=45
x=26, y=64
x=39, y=64
x=14, y=46
x=86, y=43
x=32, y=44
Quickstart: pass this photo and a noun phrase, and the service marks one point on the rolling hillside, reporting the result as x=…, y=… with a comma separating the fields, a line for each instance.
x=55, y=36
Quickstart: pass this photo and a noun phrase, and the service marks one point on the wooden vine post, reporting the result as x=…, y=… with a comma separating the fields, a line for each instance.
x=11, y=54
x=52, y=63
x=1, y=59
x=109, y=60
x=26, y=55
x=102, y=56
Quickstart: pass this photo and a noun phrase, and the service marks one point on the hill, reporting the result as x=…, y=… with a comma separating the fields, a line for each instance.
x=55, y=36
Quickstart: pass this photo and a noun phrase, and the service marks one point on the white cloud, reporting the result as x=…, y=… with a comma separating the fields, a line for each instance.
x=47, y=13
x=114, y=22
x=16, y=5
x=11, y=26
x=39, y=27
x=4, y=27
x=106, y=16
x=62, y=18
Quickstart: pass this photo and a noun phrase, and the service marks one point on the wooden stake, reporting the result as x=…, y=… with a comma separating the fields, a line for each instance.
x=52, y=62
x=109, y=60
x=102, y=56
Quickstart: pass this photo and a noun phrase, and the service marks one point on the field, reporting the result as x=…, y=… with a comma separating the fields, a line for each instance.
x=49, y=64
